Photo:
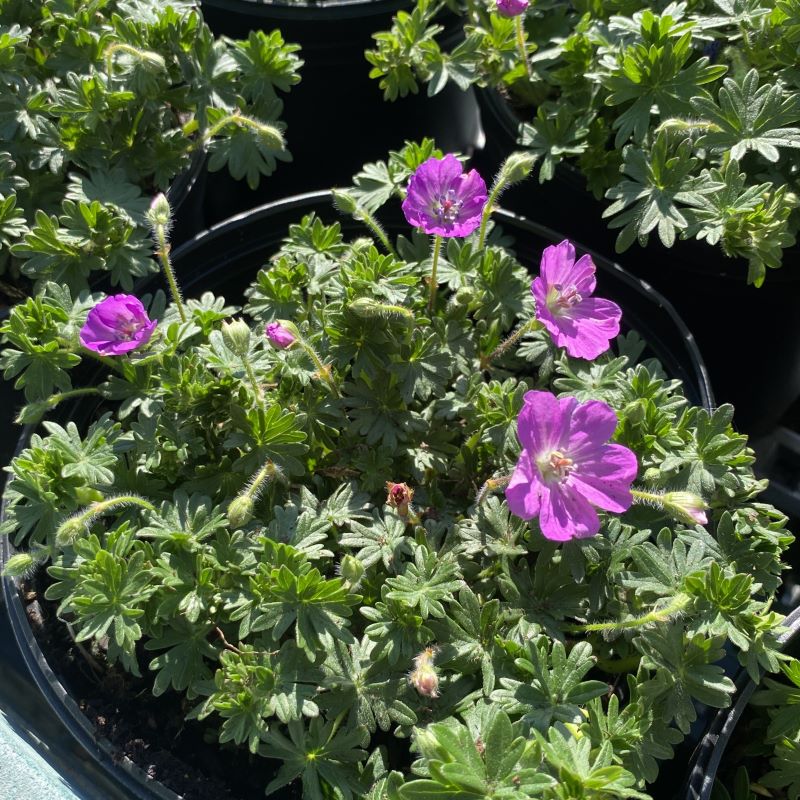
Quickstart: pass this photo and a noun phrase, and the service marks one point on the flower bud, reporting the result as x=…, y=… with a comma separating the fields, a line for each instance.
x=351, y=569
x=160, y=213
x=423, y=677
x=240, y=511
x=687, y=507
x=368, y=308
x=280, y=336
x=70, y=529
x=19, y=565
x=399, y=496
x=236, y=335
x=517, y=167
x=344, y=201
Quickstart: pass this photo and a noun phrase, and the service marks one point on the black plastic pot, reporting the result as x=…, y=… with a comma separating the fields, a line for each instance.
x=186, y=196
x=225, y=259
x=708, y=756
x=750, y=338
x=336, y=117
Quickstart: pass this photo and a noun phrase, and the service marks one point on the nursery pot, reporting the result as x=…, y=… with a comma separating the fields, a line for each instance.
x=708, y=756
x=225, y=259
x=749, y=337
x=336, y=117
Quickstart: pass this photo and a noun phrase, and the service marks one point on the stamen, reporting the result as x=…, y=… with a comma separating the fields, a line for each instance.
x=555, y=466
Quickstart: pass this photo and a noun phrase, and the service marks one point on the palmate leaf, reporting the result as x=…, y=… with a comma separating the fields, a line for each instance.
x=653, y=72
x=322, y=757
x=554, y=689
x=273, y=433
x=424, y=367
x=383, y=541
x=748, y=117
x=256, y=683
x=648, y=200
x=247, y=150
x=684, y=669
x=427, y=582
x=355, y=682
x=186, y=656
x=583, y=771
x=488, y=760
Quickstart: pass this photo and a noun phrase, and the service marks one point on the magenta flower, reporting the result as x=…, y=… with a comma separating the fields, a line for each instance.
x=582, y=324
x=444, y=200
x=511, y=8
x=567, y=468
x=279, y=336
x=117, y=325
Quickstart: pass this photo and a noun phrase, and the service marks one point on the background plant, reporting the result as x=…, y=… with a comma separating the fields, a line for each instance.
x=103, y=103
x=233, y=536
x=684, y=115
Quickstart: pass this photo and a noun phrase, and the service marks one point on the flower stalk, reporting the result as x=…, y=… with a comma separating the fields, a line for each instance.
x=664, y=614
x=72, y=527
x=526, y=327
x=160, y=217
x=514, y=169
x=240, y=510
x=521, y=46
x=434, y=285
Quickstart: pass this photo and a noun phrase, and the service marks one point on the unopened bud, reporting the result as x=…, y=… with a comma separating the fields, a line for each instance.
x=399, y=496
x=517, y=167
x=236, y=335
x=464, y=296
x=160, y=214
x=368, y=308
x=280, y=335
x=240, y=511
x=19, y=565
x=687, y=507
x=351, y=569
x=70, y=529
x=423, y=677
x=344, y=201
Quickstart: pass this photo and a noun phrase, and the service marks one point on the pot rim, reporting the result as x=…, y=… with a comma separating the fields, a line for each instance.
x=125, y=771
x=707, y=757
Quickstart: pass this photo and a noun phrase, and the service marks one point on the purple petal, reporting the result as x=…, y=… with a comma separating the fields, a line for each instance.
x=582, y=275
x=544, y=421
x=566, y=515
x=522, y=492
x=557, y=262
x=593, y=424
x=586, y=329
x=605, y=479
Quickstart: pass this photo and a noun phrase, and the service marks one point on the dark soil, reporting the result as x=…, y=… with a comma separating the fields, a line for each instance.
x=150, y=731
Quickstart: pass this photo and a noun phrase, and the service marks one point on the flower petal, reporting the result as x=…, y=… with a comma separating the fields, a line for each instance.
x=522, y=492
x=557, y=262
x=544, y=421
x=566, y=515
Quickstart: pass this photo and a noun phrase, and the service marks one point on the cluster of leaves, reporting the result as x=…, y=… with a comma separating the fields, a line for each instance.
x=695, y=103
x=772, y=734
x=104, y=103
x=562, y=671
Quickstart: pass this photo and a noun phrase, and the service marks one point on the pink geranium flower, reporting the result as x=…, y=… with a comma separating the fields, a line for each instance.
x=117, y=325
x=582, y=324
x=444, y=200
x=567, y=468
x=511, y=8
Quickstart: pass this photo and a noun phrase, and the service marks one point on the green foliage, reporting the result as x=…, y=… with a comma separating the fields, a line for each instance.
x=104, y=104
x=331, y=619
x=696, y=104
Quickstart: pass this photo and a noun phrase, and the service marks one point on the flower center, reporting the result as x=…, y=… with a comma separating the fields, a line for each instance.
x=555, y=466
x=562, y=298
x=447, y=207
x=128, y=328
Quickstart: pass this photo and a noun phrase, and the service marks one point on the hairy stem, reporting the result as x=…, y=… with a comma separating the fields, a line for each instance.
x=437, y=246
